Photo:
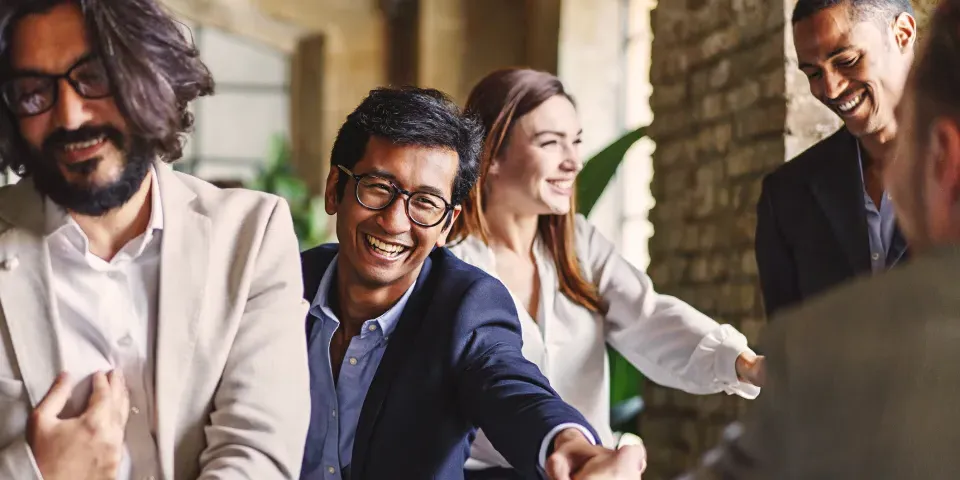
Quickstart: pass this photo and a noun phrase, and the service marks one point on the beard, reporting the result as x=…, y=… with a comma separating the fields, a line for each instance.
x=86, y=197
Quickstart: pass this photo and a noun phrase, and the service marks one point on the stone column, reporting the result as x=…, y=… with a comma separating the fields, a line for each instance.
x=442, y=47
x=719, y=101
x=333, y=70
x=308, y=118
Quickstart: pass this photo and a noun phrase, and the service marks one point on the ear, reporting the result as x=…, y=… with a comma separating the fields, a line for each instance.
x=330, y=192
x=945, y=157
x=442, y=240
x=495, y=164
x=905, y=31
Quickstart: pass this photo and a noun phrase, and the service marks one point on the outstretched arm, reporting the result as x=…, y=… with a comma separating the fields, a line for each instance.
x=669, y=341
x=506, y=395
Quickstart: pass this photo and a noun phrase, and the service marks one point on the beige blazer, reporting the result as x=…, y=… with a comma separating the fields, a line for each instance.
x=862, y=383
x=232, y=383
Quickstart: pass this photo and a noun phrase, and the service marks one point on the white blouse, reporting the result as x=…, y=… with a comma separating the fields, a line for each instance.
x=668, y=341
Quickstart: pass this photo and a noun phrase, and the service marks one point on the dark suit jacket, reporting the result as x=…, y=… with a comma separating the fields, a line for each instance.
x=812, y=224
x=453, y=364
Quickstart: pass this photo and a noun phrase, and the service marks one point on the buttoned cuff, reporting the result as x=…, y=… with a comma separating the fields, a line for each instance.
x=548, y=440
x=728, y=345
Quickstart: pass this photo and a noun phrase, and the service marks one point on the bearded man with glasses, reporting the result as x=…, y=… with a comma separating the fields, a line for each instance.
x=144, y=313
x=411, y=349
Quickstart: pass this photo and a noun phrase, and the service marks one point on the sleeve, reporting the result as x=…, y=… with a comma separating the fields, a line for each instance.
x=16, y=461
x=503, y=393
x=669, y=341
x=778, y=275
x=259, y=423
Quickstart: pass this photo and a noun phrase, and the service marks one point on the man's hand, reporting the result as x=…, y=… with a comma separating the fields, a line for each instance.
x=575, y=458
x=751, y=369
x=89, y=446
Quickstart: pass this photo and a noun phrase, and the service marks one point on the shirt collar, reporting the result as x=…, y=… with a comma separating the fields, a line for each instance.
x=57, y=217
x=320, y=307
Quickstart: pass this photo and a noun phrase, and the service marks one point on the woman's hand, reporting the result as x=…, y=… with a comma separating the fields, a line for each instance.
x=750, y=368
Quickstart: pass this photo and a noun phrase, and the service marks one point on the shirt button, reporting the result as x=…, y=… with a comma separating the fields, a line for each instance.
x=135, y=410
x=331, y=470
x=372, y=328
x=875, y=256
x=353, y=361
x=334, y=412
x=125, y=341
x=10, y=264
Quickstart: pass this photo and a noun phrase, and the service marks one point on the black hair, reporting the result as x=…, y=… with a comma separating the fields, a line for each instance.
x=423, y=117
x=883, y=12
x=154, y=70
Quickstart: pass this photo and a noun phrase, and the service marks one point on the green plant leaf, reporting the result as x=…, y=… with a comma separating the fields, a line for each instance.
x=597, y=172
x=277, y=176
x=291, y=188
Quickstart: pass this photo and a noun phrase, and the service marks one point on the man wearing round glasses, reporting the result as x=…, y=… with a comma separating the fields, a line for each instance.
x=143, y=312
x=411, y=349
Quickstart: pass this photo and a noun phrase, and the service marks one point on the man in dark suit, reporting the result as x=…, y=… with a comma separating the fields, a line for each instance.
x=825, y=216
x=875, y=398
x=411, y=350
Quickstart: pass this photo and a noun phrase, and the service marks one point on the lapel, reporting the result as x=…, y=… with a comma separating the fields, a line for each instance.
x=898, y=248
x=838, y=188
x=25, y=292
x=184, y=256
x=398, y=349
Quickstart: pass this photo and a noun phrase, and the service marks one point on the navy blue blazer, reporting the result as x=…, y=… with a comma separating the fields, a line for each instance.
x=812, y=225
x=453, y=364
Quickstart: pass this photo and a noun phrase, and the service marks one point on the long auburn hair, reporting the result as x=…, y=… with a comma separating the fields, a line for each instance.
x=499, y=100
x=154, y=69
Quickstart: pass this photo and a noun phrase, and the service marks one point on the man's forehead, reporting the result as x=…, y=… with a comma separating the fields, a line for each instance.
x=823, y=28
x=824, y=33
x=412, y=166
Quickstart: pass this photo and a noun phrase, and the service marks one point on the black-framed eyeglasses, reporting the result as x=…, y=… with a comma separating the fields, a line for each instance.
x=377, y=193
x=32, y=93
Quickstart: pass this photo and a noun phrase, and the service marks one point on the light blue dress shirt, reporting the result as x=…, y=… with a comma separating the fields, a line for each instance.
x=336, y=406
x=880, y=224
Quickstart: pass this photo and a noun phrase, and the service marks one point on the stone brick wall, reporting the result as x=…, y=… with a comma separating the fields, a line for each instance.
x=923, y=9
x=718, y=76
x=729, y=106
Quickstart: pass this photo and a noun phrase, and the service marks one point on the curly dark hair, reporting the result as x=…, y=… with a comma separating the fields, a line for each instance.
x=424, y=117
x=154, y=69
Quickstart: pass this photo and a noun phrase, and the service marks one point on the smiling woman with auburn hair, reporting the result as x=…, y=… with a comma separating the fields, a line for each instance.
x=574, y=293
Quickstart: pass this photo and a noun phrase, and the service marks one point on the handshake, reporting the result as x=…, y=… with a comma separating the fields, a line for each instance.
x=88, y=446
x=576, y=459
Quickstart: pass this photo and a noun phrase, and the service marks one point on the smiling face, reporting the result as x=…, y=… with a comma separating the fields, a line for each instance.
x=857, y=68
x=81, y=143
x=384, y=248
x=535, y=173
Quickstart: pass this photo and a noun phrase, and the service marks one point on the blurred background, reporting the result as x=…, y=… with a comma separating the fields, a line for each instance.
x=713, y=81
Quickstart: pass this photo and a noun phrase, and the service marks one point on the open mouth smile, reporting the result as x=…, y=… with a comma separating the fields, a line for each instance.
x=384, y=249
x=851, y=105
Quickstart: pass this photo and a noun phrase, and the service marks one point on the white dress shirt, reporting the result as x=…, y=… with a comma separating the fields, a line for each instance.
x=669, y=341
x=106, y=315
